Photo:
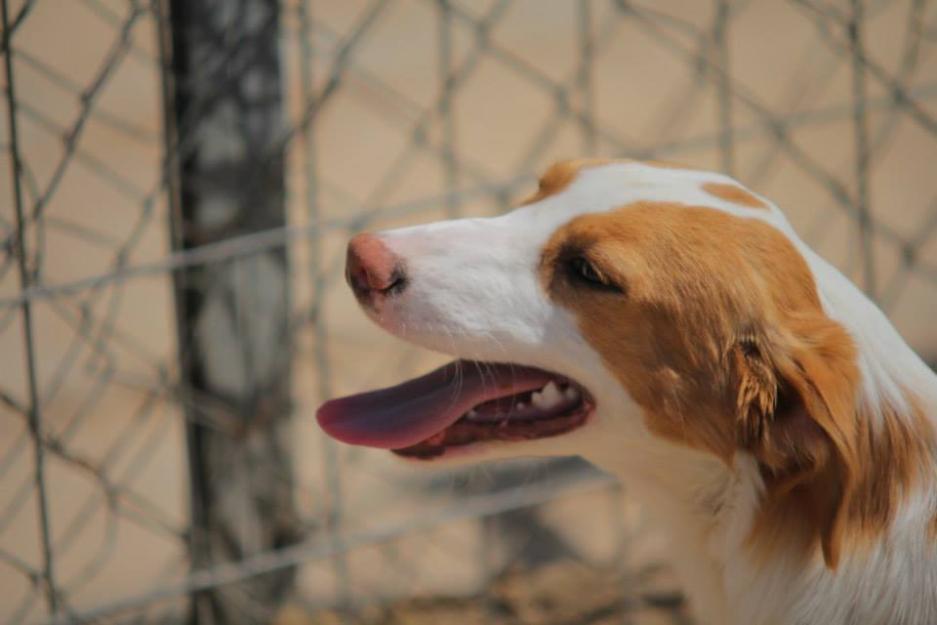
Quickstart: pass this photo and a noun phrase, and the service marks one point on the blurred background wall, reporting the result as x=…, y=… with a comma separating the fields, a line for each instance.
x=172, y=310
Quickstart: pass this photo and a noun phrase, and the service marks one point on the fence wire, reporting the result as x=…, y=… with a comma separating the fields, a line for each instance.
x=396, y=111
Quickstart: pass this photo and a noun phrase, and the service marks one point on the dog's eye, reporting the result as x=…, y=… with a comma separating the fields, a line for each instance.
x=583, y=272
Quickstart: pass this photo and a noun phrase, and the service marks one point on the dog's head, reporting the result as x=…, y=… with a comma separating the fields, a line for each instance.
x=623, y=305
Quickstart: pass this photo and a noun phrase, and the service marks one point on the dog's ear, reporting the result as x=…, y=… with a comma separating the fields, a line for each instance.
x=796, y=415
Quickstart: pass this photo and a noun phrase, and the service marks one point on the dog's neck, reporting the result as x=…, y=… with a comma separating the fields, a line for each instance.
x=709, y=509
x=688, y=496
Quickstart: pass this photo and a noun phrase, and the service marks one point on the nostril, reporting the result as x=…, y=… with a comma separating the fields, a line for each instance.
x=357, y=277
x=398, y=281
x=364, y=283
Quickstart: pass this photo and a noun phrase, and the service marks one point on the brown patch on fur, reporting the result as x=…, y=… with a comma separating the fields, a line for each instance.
x=885, y=455
x=734, y=194
x=895, y=451
x=562, y=173
x=718, y=333
x=696, y=279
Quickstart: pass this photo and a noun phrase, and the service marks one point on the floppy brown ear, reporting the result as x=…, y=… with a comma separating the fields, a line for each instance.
x=797, y=417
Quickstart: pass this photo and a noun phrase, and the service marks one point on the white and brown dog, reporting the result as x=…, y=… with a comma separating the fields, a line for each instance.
x=669, y=326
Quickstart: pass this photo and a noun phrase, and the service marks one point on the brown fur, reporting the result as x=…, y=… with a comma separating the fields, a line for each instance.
x=560, y=175
x=721, y=338
x=889, y=455
x=734, y=194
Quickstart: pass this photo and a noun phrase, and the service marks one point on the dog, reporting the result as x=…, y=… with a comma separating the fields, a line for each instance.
x=669, y=326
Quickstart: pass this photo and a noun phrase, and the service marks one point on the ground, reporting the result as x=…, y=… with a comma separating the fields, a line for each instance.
x=564, y=593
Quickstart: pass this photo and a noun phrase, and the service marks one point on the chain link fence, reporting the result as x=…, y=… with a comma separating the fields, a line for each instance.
x=179, y=182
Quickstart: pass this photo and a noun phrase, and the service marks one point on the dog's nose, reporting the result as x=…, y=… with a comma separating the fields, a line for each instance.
x=372, y=269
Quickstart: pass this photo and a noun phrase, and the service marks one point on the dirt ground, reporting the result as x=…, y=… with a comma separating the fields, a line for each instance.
x=560, y=594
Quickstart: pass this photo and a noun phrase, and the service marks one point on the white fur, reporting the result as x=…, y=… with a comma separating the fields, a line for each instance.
x=473, y=292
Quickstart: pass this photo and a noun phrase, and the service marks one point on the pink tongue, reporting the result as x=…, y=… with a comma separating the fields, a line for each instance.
x=409, y=413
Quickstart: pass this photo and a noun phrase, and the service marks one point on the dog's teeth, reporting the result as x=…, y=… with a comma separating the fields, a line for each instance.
x=471, y=414
x=550, y=396
x=520, y=405
x=571, y=394
x=538, y=400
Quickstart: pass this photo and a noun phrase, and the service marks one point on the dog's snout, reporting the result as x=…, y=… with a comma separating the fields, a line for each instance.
x=372, y=269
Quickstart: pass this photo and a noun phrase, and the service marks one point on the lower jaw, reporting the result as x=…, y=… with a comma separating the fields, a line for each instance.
x=469, y=450
x=463, y=438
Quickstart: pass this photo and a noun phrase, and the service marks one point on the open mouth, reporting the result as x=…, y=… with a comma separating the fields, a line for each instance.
x=460, y=404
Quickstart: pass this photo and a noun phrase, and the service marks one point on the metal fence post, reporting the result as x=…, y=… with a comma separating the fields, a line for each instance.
x=224, y=116
x=28, y=275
